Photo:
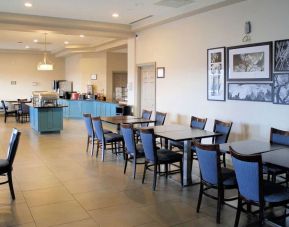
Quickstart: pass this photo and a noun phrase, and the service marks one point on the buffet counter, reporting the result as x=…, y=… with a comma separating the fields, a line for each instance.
x=76, y=108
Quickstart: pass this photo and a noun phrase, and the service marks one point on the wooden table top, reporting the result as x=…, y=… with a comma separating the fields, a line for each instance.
x=278, y=158
x=117, y=120
x=249, y=147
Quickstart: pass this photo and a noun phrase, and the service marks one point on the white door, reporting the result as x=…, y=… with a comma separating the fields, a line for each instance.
x=148, y=88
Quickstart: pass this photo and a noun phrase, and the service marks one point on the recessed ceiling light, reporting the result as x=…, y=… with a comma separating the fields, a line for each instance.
x=66, y=42
x=115, y=15
x=81, y=36
x=28, y=4
x=35, y=40
x=27, y=47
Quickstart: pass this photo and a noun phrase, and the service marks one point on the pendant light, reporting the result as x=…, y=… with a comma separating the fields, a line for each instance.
x=45, y=65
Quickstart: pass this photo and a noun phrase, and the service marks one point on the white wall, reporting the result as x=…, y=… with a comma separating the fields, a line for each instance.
x=22, y=68
x=181, y=48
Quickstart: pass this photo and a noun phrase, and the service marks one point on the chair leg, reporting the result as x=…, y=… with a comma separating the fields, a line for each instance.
x=87, y=144
x=125, y=163
x=166, y=170
x=5, y=118
x=200, y=197
x=219, y=205
x=155, y=176
x=97, y=148
x=238, y=212
x=182, y=173
x=224, y=160
x=9, y=175
x=134, y=167
x=92, y=146
x=102, y=151
x=261, y=216
x=144, y=172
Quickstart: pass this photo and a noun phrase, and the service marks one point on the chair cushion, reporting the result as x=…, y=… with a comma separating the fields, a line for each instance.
x=275, y=193
x=168, y=156
x=106, y=131
x=4, y=166
x=178, y=144
x=229, y=177
x=112, y=137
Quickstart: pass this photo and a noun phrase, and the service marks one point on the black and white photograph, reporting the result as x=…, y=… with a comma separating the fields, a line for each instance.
x=281, y=56
x=250, y=62
x=257, y=92
x=281, y=89
x=216, y=74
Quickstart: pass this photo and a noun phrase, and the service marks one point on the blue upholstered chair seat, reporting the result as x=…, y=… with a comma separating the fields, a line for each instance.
x=229, y=177
x=112, y=137
x=165, y=155
x=4, y=166
x=275, y=193
x=106, y=131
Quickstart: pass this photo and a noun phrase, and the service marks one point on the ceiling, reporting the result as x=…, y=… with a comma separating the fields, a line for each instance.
x=92, y=18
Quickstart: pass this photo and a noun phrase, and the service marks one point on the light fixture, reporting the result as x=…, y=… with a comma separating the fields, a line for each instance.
x=66, y=42
x=115, y=15
x=28, y=4
x=45, y=65
x=27, y=47
x=35, y=40
x=81, y=36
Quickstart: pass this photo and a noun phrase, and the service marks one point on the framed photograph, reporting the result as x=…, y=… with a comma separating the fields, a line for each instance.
x=257, y=92
x=216, y=84
x=161, y=72
x=250, y=62
x=281, y=56
x=281, y=89
x=93, y=76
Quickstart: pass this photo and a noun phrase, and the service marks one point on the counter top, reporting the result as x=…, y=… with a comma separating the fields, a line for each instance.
x=90, y=100
x=45, y=107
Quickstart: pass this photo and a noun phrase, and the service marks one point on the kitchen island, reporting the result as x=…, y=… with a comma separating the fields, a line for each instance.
x=76, y=108
x=46, y=119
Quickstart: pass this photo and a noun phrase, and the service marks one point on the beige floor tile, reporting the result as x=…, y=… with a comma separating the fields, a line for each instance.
x=82, y=223
x=15, y=214
x=121, y=216
x=31, y=224
x=47, y=196
x=59, y=213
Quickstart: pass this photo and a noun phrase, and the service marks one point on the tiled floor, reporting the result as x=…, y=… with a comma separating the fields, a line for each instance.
x=58, y=184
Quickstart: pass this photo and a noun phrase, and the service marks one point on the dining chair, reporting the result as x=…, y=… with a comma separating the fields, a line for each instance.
x=160, y=118
x=6, y=165
x=23, y=112
x=213, y=176
x=281, y=137
x=91, y=138
x=155, y=157
x=252, y=189
x=106, y=139
x=7, y=112
x=133, y=151
x=146, y=114
x=223, y=127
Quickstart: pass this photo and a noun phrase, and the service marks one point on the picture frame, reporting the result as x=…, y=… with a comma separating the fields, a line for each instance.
x=216, y=74
x=93, y=76
x=251, y=62
x=281, y=88
x=281, y=55
x=255, y=92
x=160, y=72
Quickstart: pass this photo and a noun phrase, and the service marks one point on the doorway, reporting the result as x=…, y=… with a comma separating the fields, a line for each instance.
x=119, y=86
x=146, y=87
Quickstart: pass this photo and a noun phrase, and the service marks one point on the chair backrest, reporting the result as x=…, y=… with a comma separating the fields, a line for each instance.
x=199, y=123
x=146, y=114
x=149, y=144
x=128, y=136
x=88, y=124
x=24, y=108
x=98, y=130
x=160, y=118
x=279, y=136
x=224, y=128
x=209, y=162
x=4, y=106
x=249, y=174
x=13, y=145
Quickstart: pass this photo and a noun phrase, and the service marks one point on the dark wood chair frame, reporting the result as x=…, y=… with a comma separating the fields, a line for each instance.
x=137, y=137
x=220, y=187
x=91, y=139
x=261, y=204
x=128, y=157
x=22, y=117
x=157, y=163
x=165, y=115
x=226, y=124
x=11, y=157
x=9, y=113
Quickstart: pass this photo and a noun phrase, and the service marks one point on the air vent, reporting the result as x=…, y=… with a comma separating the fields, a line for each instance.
x=141, y=19
x=174, y=3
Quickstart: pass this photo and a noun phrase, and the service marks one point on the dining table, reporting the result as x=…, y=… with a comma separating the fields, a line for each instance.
x=185, y=134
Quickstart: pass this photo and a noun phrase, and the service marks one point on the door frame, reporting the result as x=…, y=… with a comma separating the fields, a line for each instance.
x=138, y=82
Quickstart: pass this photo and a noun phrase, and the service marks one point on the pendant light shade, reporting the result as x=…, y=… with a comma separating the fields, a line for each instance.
x=45, y=64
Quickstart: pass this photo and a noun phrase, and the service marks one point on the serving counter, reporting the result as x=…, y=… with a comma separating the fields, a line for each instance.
x=76, y=108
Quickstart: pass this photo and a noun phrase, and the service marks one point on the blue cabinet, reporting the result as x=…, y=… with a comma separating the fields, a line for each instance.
x=76, y=108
